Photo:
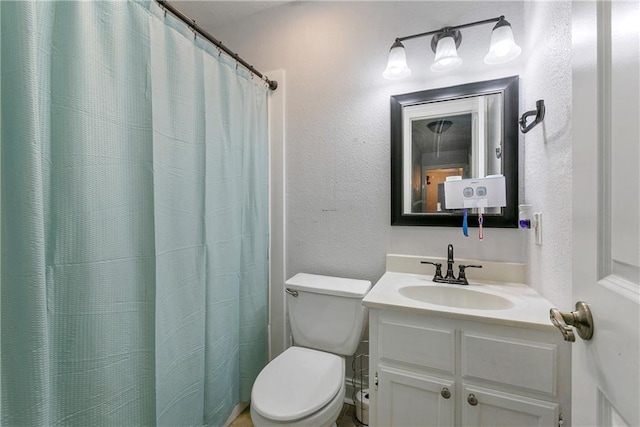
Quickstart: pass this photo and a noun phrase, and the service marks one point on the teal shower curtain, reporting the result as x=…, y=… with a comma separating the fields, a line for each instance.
x=134, y=218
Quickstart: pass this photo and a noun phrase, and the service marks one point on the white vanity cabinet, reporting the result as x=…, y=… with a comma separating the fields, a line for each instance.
x=434, y=370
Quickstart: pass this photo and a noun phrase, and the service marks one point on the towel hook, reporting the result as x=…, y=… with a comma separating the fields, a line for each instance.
x=538, y=112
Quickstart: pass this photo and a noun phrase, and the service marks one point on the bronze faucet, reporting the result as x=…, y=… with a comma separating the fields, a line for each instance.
x=450, y=278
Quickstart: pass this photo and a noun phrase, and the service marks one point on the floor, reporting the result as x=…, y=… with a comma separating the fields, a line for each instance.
x=347, y=418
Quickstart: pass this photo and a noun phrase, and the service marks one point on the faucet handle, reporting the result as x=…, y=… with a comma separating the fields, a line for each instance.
x=438, y=273
x=462, y=276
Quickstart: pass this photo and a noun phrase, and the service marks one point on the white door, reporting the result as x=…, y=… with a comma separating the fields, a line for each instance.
x=606, y=234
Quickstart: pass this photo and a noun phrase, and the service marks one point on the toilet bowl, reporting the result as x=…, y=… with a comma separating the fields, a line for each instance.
x=301, y=387
x=305, y=385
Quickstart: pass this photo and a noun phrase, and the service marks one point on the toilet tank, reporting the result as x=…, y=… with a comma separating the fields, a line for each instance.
x=327, y=313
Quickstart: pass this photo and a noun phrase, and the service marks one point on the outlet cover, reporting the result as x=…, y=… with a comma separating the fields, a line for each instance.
x=537, y=227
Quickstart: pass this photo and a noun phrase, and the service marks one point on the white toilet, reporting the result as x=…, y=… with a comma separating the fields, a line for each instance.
x=305, y=385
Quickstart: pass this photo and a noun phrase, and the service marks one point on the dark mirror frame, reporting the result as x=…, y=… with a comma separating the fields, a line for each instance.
x=508, y=86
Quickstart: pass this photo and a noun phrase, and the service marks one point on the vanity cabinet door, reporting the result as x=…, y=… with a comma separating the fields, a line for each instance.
x=412, y=399
x=483, y=407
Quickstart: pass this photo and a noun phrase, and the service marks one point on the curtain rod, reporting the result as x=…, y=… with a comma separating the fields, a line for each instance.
x=192, y=24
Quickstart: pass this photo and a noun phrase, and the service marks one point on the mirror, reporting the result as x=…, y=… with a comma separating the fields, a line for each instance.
x=468, y=130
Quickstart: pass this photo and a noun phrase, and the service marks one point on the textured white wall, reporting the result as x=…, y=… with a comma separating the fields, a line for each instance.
x=337, y=128
x=337, y=123
x=548, y=147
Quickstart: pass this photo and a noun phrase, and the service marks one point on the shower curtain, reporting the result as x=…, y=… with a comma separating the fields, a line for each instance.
x=134, y=219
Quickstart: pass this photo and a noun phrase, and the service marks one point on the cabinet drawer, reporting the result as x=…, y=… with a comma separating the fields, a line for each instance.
x=429, y=347
x=525, y=364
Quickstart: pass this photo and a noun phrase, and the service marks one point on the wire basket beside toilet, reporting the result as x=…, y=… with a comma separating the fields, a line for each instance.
x=360, y=379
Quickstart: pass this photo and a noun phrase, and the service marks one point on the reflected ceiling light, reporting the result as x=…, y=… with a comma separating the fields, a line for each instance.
x=445, y=43
x=439, y=126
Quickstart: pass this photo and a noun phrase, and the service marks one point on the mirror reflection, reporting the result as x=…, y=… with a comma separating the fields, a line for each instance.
x=457, y=138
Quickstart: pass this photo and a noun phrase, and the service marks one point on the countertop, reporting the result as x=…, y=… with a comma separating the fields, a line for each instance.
x=529, y=308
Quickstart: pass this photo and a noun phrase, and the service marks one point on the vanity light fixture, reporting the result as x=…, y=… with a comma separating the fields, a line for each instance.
x=445, y=43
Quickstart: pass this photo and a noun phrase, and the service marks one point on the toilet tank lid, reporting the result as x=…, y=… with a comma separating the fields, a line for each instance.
x=329, y=285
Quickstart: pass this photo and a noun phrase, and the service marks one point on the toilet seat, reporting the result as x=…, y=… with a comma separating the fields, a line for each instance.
x=297, y=383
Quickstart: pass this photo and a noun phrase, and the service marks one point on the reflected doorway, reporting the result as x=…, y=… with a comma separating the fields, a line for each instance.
x=434, y=187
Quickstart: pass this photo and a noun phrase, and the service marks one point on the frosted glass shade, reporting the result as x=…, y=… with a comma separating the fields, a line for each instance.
x=503, y=47
x=446, y=55
x=397, y=66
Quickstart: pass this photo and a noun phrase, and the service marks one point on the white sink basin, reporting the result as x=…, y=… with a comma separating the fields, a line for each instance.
x=495, y=299
x=454, y=296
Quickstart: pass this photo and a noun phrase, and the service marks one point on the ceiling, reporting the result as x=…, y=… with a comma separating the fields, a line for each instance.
x=210, y=14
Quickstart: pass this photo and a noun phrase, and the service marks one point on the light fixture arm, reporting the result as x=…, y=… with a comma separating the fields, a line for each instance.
x=449, y=29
